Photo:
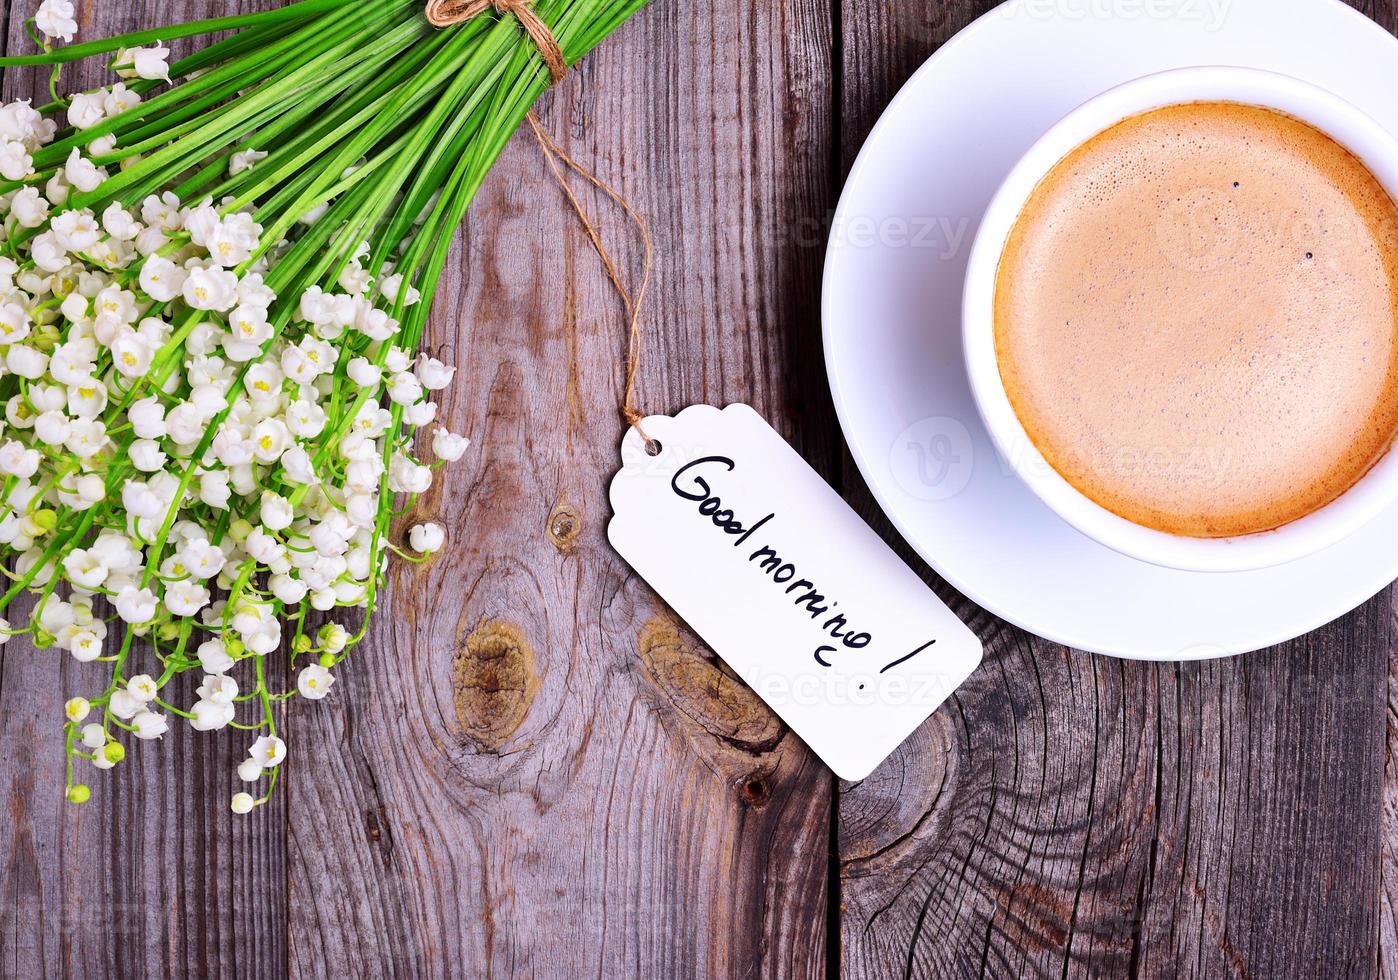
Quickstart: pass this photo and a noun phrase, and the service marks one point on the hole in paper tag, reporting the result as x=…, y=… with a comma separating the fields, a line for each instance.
x=780, y=576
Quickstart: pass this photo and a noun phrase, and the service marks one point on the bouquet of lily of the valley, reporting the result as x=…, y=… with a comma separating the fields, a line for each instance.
x=213, y=288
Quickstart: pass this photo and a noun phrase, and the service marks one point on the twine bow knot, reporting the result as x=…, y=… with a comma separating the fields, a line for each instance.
x=444, y=13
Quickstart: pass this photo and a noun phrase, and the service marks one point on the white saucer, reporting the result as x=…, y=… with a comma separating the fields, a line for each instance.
x=892, y=299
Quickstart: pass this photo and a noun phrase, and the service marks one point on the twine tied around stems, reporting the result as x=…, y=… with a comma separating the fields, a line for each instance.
x=445, y=13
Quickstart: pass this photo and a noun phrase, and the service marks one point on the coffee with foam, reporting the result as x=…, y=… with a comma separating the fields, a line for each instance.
x=1195, y=319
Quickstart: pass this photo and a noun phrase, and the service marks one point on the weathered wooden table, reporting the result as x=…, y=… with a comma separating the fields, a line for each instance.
x=532, y=770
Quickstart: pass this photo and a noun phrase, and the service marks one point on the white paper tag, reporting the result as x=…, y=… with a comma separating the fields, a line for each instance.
x=786, y=583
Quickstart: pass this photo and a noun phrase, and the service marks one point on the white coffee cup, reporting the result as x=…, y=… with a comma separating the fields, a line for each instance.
x=1348, y=126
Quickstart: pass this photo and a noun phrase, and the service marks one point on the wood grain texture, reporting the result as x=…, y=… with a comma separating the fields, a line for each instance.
x=1071, y=815
x=535, y=771
x=532, y=769
x=154, y=877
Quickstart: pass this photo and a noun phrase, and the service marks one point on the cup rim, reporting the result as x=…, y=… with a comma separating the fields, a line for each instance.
x=1332, y=115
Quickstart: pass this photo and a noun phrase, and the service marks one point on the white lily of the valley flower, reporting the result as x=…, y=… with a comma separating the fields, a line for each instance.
x=218, y=689
x=406, y=476
x=145, y=454
x=52, y=428
x=30, y=208
x=213, y=656
x=135, y=605
x=242, y=803
x=333, y=637
x=426, y=538
x=15, y=161
x=276, y=511
x=132, y=353
x=305, y=419
x=16, y=460
x=85, y=646
x=55, y=19
x=213, y=489
x=25, y=361
x=363, y=372
x=287, y=589
x=149, y=725
x=142, y=687
x=314, y=682
x=268, y=751
x=86, y=437
x=123, y=705
x=375, y=323
x=202, y=559
x=298, y=468
x=210, y=289
x=419, y=414
x=185, y=598
x=244, y=160
x=449, y=447
x=21, y=122
x=210, y=716
x=265, y=638
x=147, y=417
x=76, y=709
x=390, y=286
x=119, y=99
x=83, y=174
x=433, y=374
x=161, y=279
x=146, y=62
x=85, y=568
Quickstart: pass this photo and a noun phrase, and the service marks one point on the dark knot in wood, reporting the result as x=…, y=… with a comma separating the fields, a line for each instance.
x=565, y=524
x=756, y=791
x=494, y=678
x=706, y=695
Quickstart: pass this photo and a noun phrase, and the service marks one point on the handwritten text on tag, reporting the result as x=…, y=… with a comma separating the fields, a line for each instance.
x=786, y=583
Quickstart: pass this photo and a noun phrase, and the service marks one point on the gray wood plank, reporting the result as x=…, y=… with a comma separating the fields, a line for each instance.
x=1067, y=814
x=153, y=877
x=531, y=770
x=1388, y=891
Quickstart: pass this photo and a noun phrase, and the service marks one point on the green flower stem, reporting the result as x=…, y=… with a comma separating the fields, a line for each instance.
x=77, y=52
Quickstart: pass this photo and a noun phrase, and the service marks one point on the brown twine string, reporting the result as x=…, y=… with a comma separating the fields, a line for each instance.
x=443, y=13
x=554, y=153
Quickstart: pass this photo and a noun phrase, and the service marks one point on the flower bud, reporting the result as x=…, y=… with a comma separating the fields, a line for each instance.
x=76, y=709
x=333, y=637
x=94, y=736
x=78, y=793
